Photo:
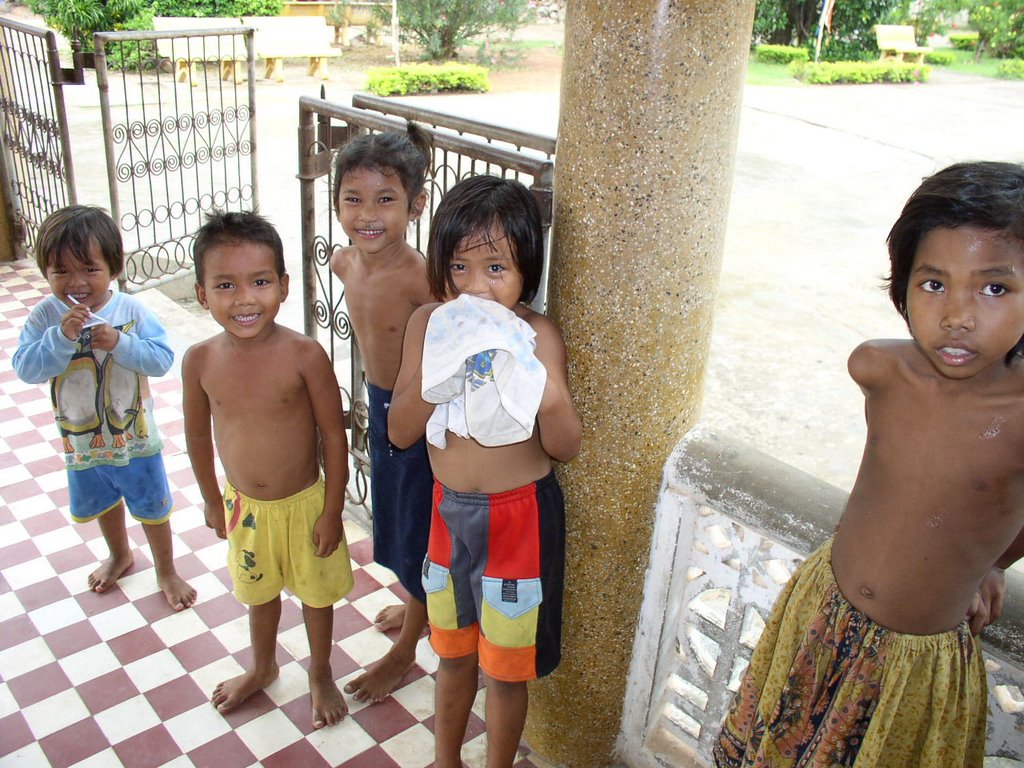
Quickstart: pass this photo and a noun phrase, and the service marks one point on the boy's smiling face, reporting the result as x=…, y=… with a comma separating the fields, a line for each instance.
x=965, y=300
x=374, y=209
x=241, y=288
x=75, y=282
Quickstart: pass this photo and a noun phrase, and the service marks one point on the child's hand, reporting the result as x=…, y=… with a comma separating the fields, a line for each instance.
x=987, y=605
x=214, y=514
x=73, y=321
x=328, y=533
x=105, y=337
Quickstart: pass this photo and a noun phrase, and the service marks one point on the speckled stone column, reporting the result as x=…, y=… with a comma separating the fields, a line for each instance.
x=649, y=116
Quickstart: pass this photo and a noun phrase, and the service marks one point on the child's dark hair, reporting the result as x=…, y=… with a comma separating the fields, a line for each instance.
x=984, y=194
x=470, y=209
x=408, y=155
x=233, y=228
x=70, y=233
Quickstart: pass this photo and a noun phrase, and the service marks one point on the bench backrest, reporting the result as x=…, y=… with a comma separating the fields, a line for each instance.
x=889, y=35
x=291, y=36
x=220, y=48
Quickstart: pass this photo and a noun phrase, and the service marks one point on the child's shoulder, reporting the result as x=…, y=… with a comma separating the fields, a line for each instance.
x=876, y=359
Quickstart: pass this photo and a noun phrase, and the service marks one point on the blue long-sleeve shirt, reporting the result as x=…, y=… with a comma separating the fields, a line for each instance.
x=101, y=400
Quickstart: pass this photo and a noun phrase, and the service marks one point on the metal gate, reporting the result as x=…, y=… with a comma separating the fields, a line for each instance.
x=179, y=134
x=36, y=167
x=323, y=127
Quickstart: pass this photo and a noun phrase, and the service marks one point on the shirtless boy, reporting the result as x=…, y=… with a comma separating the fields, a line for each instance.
x=276, y=410
x=379, y=191
x=934, y=518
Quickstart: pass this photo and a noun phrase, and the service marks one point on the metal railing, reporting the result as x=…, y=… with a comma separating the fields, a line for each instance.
x=36, y=162
x=325, y=126
x=176, y=146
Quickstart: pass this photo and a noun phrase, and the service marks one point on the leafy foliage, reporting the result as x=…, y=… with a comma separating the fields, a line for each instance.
x=939, y=58
x=795, y=22
x=828, y=73
x=780, y=54
x=1012, y=69
x=441, y=27
x=82, y=18
x=206, y=8
x=964, y=41
x=426, y=78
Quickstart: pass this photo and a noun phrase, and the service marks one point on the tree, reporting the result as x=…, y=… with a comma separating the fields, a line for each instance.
x=80, y=18
x=441, y=27
x=795, y=22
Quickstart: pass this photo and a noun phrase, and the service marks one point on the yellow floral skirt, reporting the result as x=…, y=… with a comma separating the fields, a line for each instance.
x=828, y=687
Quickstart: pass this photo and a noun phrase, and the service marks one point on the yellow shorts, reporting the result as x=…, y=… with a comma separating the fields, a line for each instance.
x=270, y=546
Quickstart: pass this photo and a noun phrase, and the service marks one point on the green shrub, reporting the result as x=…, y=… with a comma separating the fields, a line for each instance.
x=426, y=78
x=1011, y=69
x=87, y=16
x=779, y=54
x=964, y=41
x=939, y=58
x=830, y=72
x=206, y=8
x=441, y=27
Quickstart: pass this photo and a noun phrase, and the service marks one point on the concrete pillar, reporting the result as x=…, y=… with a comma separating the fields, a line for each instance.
x=646, y=144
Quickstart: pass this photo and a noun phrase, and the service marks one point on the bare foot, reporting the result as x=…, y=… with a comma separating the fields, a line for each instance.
x=113, y=568
x=230, y=693
x=381, y=677
x=329, y=707
x=390, y=617
x=177, y=591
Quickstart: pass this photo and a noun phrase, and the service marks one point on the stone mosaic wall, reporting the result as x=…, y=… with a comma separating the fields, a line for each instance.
x=731, y=527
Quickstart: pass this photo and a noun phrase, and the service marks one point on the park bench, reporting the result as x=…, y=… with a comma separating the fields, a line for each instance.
x=897, y=42
x=228, y=51
x=281, y=37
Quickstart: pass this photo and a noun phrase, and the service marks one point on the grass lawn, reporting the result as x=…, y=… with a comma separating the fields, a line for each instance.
x=966, y=64
x=759, y=73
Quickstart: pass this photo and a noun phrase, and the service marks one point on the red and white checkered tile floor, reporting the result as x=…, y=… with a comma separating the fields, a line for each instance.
x=95, y=681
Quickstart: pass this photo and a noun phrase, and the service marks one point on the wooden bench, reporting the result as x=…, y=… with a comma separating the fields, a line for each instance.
x=281, y=37
x=227, y=50
x=897, y=42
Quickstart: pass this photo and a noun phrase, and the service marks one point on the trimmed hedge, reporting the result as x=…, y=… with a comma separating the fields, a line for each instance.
x=779, y=54
x=426, y=78
x=939, y=58
x=1011, y=69
x=964, y=41
x=829, y=72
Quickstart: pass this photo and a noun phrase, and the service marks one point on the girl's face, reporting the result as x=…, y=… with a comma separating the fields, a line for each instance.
x=74, y=282
x=483, y=266
x=374, y=209
x=965, y=300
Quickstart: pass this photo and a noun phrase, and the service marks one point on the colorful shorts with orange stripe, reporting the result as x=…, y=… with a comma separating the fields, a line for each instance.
x=494, y=574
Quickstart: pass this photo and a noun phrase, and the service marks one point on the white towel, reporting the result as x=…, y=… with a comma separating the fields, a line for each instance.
x=480, y=368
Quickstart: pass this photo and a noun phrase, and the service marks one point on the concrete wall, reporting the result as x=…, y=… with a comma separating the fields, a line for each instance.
x=731, y=526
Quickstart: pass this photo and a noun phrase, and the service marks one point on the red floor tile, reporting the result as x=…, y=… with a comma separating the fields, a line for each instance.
x=72, y=639
x=16, y=631
x=148, y=749
x=38, y=684
x=73, y=744
x=375, y=757
x=135, y=645
x=384, y=720
x=105, y=691
x=300, y=753
x=227, y=751
x=177, y=696
x=14, y=733
x=198, y=651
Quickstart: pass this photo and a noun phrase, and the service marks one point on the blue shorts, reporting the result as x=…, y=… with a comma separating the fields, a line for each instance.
x=141, y=484
x=401, y=488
